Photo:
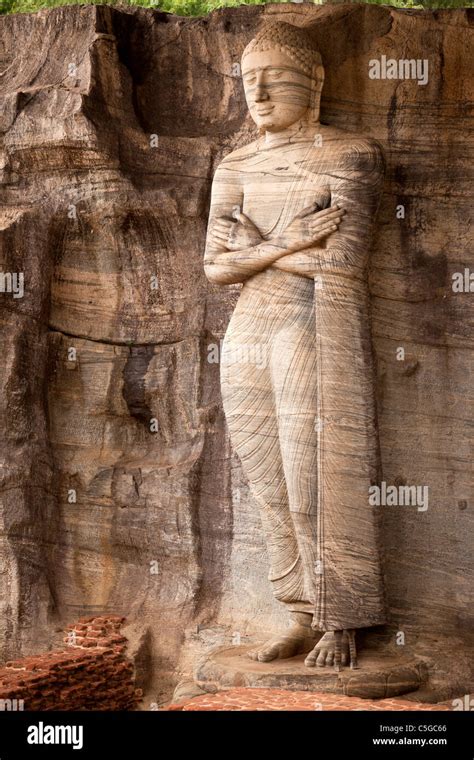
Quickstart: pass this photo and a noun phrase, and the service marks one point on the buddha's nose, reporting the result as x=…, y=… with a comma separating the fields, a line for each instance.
x=260, y=94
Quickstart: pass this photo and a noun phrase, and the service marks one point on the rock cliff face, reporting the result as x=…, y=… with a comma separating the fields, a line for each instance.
x=120, y=493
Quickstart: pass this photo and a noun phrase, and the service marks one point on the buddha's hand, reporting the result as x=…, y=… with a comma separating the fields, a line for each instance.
x=310, y=226
x=235, y=234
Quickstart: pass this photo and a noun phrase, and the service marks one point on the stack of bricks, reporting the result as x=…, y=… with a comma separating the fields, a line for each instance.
x=91, y=673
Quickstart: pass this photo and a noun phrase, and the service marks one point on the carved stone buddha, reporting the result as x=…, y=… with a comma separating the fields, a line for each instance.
x=291, y=218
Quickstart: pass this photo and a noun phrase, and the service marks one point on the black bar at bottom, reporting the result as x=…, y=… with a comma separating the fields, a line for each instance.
x=436, y=734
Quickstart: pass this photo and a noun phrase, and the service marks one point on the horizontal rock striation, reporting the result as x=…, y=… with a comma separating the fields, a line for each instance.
x=120, y=493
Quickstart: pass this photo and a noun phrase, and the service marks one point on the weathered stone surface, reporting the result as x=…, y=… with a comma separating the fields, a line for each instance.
x=163, y=530
x=378, y=676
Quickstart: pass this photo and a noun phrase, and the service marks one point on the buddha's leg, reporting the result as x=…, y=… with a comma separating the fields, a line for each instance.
x=350, y=586
x=294, y=379
x=293, y=366
x=249, y=406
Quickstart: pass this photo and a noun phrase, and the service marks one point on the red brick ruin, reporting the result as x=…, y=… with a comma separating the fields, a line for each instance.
x=91, y=673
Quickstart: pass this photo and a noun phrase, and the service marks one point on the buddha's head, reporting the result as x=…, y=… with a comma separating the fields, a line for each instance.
x=283, y=77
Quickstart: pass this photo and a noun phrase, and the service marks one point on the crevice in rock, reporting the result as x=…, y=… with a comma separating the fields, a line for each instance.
x=133, y=389
x=124, y=343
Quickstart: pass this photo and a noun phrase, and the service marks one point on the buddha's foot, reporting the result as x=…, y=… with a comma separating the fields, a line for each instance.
x=296, y=640
x=336, y=648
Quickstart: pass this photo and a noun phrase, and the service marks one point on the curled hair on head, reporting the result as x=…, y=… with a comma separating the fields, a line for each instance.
x=294, y=41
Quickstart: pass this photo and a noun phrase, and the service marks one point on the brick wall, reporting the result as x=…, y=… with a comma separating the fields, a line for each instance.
x=91, y=673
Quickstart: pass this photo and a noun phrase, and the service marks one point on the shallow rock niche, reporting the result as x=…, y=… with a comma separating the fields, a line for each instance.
x=120, y=491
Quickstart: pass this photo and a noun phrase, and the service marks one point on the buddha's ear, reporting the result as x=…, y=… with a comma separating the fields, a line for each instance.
x=318, y=77
x=317, y=81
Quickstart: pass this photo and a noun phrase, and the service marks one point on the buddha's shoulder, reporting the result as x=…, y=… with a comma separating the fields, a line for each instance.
x=352, y=146
x=241, y=154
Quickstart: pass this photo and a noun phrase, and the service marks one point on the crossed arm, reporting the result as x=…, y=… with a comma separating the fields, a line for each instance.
x=240, y=251
x=333, y=239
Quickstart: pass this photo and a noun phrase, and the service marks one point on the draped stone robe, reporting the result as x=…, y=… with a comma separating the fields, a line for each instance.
x=324, y=550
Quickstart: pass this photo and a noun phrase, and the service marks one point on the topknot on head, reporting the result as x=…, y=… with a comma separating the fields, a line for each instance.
x=294, y=41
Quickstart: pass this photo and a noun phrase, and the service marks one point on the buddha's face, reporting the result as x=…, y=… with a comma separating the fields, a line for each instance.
x=277, y=91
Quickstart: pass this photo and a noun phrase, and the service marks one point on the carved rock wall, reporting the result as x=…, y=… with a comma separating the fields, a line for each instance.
x=120, y=493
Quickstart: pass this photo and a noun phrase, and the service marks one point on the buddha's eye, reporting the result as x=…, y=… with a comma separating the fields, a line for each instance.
x=250, y=80
x=275, y=74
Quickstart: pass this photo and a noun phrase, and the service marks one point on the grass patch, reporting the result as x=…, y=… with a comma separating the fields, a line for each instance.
x=202, y=7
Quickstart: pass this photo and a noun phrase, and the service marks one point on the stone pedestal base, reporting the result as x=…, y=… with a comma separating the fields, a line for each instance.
x=377, y=677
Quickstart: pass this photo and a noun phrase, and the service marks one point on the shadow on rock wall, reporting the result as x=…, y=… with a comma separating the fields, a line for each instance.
x=120, y=490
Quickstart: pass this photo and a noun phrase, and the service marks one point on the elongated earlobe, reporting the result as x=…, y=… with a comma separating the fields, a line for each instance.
x=317, y=81
x=318, y=74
